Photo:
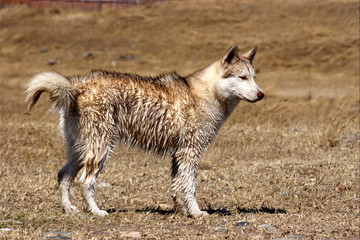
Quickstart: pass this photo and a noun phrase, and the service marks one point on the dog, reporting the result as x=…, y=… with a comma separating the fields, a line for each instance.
x=168, y=114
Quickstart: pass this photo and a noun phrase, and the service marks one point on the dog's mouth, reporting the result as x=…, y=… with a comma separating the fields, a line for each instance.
x=251, y=100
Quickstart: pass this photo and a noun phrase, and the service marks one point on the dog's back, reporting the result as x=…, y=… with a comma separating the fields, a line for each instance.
x=149, y=113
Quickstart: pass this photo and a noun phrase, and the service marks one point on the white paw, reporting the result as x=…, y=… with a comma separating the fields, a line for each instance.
x=100, y=213
x=199, y=214
x=71, y=209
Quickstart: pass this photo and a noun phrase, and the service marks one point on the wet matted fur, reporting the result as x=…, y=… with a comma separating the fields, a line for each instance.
x=168, y=114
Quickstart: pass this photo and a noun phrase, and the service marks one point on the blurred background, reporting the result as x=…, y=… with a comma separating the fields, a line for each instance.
x=289, y=161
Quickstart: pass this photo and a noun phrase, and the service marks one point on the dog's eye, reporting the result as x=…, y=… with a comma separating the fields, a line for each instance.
x=243, y=77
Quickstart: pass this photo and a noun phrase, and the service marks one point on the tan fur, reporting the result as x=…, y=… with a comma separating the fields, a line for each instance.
x=169, y=115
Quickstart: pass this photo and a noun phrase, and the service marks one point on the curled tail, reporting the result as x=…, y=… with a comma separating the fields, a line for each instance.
x=62, y=94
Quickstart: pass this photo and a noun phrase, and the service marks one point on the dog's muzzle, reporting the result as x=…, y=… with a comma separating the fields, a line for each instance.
x=260, y=95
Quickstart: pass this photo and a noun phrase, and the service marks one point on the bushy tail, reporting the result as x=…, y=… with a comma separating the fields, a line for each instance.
x=62, y=94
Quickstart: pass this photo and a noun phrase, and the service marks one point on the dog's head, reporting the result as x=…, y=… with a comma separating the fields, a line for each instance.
x=238, y=76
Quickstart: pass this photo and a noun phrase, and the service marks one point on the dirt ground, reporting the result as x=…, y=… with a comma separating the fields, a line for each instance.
x=285, y=167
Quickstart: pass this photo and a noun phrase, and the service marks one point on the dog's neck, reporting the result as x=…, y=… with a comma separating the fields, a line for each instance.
x=203, y=84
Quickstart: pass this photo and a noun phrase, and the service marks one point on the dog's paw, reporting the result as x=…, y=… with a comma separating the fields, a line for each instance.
x=71, y=209
x=100, y=213
x=199, y=214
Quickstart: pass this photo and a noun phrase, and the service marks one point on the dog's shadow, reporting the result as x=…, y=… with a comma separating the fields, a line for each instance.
x=157, y=210
x=262, y=210
x=209, y=209
x=239, y=210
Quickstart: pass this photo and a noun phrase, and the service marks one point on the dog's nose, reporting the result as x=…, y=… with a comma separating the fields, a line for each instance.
x=260, y=95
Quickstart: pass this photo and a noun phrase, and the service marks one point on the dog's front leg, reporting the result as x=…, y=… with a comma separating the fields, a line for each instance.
x=183, y=183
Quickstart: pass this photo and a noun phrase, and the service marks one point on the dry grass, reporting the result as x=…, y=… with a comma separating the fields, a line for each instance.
x=290, y=160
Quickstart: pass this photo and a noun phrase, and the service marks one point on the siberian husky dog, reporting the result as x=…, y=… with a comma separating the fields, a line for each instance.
x=168, y=114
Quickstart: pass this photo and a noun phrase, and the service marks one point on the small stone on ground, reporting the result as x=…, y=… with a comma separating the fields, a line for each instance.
x=58, y=235
x=241, y=223
x=297, y=236
x=133, y=234
x=220, y=224
x=267, y=226
x=51, y=61
x=89, y=55
x=5, y=229
x=105, y=185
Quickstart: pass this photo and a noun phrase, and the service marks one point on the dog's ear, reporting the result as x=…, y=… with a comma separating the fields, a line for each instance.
x=250, y=54
x=231, y=56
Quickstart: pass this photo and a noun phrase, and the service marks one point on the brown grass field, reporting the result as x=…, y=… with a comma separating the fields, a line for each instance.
x=290, y=161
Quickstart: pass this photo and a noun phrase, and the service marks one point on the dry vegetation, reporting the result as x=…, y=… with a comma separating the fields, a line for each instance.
x=290, y=160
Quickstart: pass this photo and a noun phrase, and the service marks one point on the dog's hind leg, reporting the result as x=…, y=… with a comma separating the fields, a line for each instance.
x=65, y=177
x=93, y=162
